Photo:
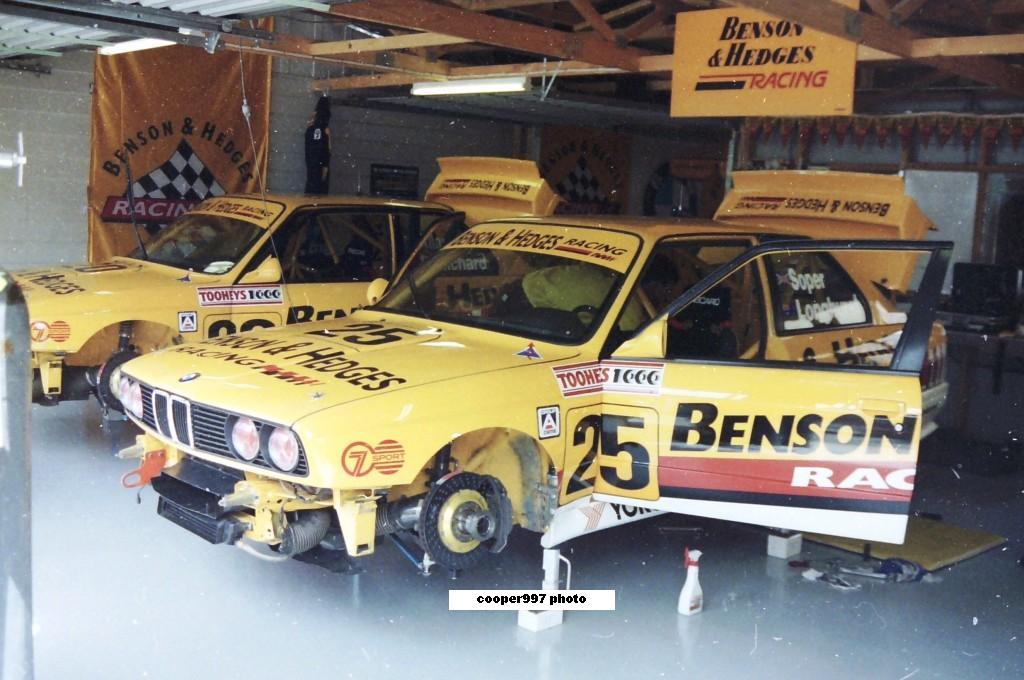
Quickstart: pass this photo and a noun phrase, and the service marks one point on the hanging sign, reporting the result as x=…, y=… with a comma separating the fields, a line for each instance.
x=739, y=62
x=174, y=116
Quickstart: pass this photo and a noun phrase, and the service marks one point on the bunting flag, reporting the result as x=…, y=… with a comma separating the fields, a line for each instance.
x=173, y=116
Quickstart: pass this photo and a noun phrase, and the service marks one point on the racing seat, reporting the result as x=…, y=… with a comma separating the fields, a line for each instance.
x=704, y=328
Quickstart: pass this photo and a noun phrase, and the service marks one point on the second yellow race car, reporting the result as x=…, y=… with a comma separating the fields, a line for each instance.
x=238, y=263
x=568, y=374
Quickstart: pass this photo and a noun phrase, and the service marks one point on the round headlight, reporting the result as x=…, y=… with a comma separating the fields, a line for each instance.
x=132, y=398
x=245, y=439
x=283, y=449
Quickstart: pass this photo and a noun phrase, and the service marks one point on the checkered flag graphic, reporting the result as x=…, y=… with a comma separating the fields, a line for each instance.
x=580, y=186
x=182, y=176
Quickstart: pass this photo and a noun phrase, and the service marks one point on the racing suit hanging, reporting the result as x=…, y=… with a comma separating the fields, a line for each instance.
x=318, y=148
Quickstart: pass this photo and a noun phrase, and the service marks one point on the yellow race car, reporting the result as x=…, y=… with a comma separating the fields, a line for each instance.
x=565, y=375
x=238, y=263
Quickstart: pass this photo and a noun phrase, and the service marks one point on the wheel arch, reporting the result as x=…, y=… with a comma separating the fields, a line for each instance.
x=147, y=335
x=519, y=461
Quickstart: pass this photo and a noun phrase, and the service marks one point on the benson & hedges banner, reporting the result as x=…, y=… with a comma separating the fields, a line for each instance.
x=740, y=62
x=174, y=114
x=588, y=168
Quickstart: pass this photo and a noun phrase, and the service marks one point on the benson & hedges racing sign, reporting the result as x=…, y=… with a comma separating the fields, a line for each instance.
x=731, y=61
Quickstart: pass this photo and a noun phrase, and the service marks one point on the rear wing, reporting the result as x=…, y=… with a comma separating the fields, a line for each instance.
x=487, y=188
x=827, y=205
x=823, y=204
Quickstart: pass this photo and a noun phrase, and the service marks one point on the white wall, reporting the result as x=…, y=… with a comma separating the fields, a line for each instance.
x=45, y=221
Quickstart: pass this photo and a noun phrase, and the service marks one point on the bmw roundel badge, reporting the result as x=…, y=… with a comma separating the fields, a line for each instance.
x=188, y=377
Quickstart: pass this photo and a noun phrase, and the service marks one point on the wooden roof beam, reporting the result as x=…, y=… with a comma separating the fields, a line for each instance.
x=873, y=31
x=586, y=10
x=612, y=15
x=394, y=42
x=641, y=26
x=513, y=35
x=905, y=9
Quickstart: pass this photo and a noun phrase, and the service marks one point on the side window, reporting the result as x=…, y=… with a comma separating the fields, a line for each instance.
x=726, y=322
x=818, y=313
x=811, y=292
x=410, y=227
x=673, y=267
x=335, y=247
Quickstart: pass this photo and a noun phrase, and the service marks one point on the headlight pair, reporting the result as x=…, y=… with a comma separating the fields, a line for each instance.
x=279, y=444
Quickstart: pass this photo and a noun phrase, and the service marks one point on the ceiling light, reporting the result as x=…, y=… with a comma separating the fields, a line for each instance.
x=472, y=86
x=134, y=46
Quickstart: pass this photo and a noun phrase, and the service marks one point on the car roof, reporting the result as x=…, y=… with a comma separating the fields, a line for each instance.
x=656, y=228
x=300, y=200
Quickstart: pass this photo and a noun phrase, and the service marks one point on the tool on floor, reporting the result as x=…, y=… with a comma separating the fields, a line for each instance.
x=691, y=597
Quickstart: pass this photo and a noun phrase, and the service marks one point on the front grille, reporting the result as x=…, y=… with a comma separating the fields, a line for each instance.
x=202, y=427
x=179, y=412
x=160, y=407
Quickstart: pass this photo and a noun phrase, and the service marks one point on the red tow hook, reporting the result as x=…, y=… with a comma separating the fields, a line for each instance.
x=152, y=466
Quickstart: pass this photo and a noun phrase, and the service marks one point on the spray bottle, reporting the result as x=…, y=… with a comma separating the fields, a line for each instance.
x=691, y=597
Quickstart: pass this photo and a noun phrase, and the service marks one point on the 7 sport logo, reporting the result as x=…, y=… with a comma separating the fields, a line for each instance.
x=360, y=459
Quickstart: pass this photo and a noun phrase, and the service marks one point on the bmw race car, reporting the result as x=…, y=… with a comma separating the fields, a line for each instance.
x=777, y=366
x=238, y=263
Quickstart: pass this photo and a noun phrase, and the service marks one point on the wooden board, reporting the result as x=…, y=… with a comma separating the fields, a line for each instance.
x=929, y=543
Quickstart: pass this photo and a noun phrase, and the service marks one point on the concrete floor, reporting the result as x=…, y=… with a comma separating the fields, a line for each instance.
x=122, y=593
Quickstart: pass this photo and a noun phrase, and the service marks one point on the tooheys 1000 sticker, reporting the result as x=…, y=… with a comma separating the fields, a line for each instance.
x=234, y=296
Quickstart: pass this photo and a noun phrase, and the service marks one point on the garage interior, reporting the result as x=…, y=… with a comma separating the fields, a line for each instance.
x=938, y=99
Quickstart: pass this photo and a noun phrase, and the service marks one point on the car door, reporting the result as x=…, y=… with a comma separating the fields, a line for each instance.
x=738, y=430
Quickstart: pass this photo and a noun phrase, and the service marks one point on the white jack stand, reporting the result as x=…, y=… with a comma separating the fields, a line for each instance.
x=536, y=621
x=784, y=544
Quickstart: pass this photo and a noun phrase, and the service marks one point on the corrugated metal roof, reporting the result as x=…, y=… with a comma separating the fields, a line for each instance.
x=21, y=36
x=31, y=35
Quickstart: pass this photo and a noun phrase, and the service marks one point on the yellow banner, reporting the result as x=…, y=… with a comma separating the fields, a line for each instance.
x=588, y=168
x=174, y=116
x=740, y=62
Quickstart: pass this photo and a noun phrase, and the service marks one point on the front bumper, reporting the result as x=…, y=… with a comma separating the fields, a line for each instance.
x=189, y=497
x=223, y=504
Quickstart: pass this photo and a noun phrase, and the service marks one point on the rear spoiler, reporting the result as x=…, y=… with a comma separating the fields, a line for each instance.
x=828, y=205
x=825, y=205
x=486, y=188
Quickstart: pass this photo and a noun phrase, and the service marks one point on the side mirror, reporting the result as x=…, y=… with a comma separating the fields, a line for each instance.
x=376, y=290
x=268, y=272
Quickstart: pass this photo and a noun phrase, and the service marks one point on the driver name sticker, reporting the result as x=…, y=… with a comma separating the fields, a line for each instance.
x=187, y=322
x=240, y=296
x=592, y=377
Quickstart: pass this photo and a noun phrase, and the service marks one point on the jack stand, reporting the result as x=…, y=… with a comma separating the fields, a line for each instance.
x=784, y=544
x=537, y=621
x=422, y=566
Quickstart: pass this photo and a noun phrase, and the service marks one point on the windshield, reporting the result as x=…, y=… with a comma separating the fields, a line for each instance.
x=536, y=295
x=211, y=244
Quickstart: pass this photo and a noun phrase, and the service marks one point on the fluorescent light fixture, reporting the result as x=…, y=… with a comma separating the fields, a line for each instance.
x=134, y=46
x=472, y=86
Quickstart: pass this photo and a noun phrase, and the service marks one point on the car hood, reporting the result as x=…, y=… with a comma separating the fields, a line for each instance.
x=61, y=292
x=284, y=374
